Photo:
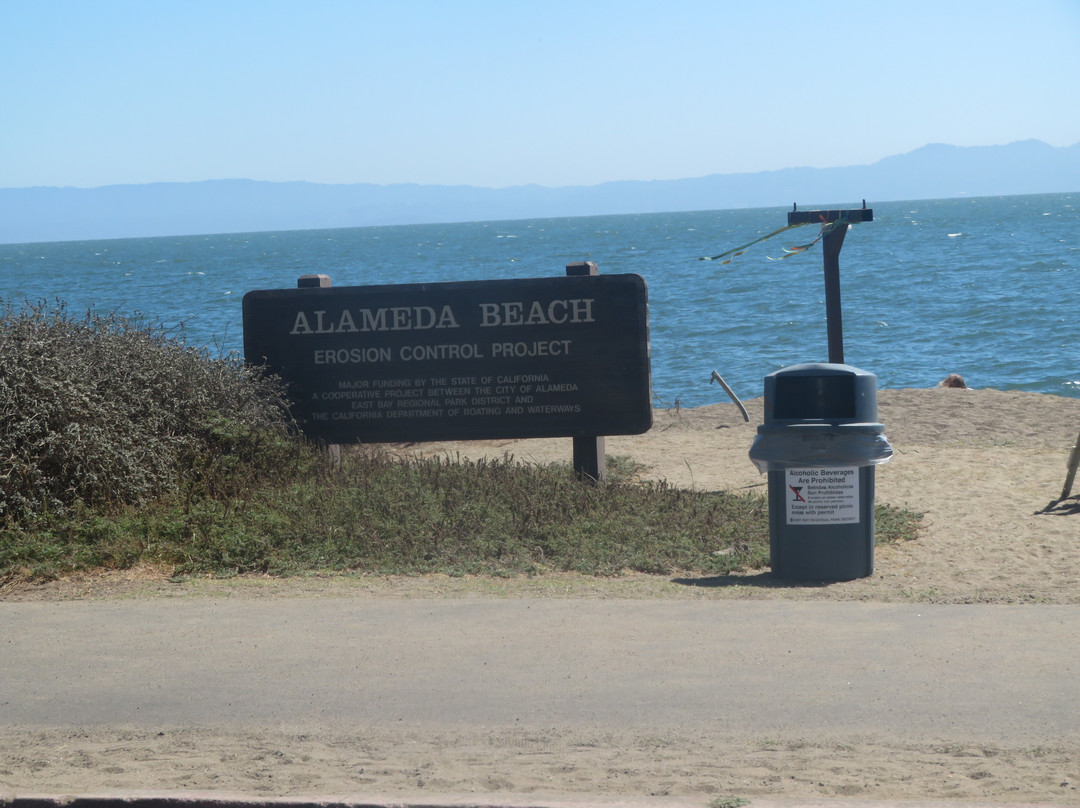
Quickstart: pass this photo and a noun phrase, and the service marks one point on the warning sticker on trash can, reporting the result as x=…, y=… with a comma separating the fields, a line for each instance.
x=822, y=496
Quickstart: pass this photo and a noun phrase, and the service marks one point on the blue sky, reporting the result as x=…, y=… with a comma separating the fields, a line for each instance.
x=496, y=94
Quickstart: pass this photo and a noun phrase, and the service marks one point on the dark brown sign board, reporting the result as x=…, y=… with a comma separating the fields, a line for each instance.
x=471, y=360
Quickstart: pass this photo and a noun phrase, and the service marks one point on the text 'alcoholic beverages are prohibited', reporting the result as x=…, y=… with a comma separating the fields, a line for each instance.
x=823, y=496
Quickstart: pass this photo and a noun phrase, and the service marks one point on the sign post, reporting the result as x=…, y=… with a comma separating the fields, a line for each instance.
x=590, y=452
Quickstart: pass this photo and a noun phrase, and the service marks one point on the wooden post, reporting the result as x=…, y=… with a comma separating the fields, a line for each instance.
x=1074, y=461
x=333, y=450
x=313, y=281
x=831, y=243
x=590, y=453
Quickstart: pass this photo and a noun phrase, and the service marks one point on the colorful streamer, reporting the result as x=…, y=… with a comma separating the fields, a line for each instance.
x=735, y=253
x=826, y=228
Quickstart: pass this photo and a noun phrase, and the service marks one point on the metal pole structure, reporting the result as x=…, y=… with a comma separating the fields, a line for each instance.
x=830, y=247
x=831, y=243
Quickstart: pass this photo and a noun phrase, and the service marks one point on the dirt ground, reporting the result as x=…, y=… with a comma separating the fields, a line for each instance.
x=985, y=467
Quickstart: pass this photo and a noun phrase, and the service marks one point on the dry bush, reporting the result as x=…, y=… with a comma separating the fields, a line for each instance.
x=104, y=409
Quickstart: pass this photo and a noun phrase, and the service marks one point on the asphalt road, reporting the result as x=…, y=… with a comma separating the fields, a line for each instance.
x=894, y=672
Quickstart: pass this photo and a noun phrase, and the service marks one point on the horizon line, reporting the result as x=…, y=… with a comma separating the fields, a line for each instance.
x=520, y=185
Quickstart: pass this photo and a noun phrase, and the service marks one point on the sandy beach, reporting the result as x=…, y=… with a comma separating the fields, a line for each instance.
x=985, y=467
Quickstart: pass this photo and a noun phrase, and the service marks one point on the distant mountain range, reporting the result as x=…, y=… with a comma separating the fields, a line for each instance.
x=936, y=171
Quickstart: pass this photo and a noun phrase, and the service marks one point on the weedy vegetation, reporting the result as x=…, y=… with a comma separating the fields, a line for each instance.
x=121, y=445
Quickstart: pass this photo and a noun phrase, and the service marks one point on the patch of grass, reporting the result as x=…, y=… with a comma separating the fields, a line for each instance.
x=729, y=802
x=896, y=524
x=381, y=514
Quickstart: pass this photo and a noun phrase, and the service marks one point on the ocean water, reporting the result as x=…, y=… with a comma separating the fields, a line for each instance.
x=985, y=287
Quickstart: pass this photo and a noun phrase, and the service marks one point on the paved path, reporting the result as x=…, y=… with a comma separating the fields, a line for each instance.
x=461, y=668
x=894, y=671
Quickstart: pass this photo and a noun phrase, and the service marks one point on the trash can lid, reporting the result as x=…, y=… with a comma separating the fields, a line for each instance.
x=820, y=369
x=821, y=392
x=780, y=446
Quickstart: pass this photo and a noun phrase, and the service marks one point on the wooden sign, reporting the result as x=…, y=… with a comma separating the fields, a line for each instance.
x=530, y=358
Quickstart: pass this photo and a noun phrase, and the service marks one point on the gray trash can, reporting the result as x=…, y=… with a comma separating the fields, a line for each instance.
x=819, y=444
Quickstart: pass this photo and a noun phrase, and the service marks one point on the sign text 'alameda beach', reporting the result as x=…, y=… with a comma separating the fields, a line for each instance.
x=529, y=358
